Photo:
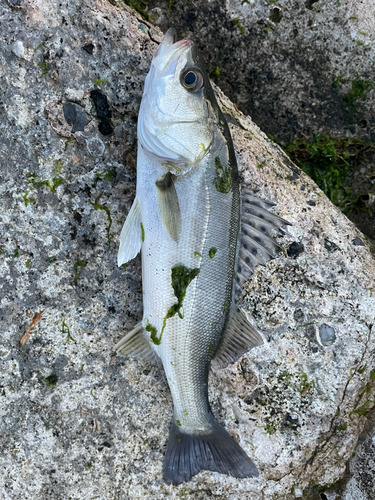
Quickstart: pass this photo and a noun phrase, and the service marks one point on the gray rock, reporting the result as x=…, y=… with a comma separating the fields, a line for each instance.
x=327, y=335
x=78, y=421
x=302, y=66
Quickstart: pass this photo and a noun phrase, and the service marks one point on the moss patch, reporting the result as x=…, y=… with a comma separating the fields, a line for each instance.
x=329, y=161
x=212, y=252
x=154, y=333
x=181, y=278
x=223, y=181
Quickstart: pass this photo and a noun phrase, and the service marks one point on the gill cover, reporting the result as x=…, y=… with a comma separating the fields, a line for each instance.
x=174, y=118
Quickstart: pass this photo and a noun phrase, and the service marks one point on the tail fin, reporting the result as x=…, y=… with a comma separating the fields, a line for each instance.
x=188, y=454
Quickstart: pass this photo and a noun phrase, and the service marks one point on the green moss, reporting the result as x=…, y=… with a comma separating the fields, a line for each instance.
x=359, y=91
x=43, y=65
x=178, y=423
x=304, y=384
x=102, y=80
x=170, y=3
x=143, y=232
x=107, y=174
x=78, y=267
x=270, y=429
x=337, y=81
x=38, y=46
x=341, y=427
x=212, y=252
x=26, y=199
x=223, y=181
x=52, y=379
x=239, y=25
x=215, y=73
x=329, y=161
x=363, y=409
x=27, y=263
x=66, y=331
x=92, y=394
x=362, y=369
x=197, y=254
x=140, y=6
x=181, y=279
x=51, y=259
x=52, y=183
x=154, y=334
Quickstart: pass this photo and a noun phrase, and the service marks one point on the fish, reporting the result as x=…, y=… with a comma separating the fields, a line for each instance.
x=200, y=239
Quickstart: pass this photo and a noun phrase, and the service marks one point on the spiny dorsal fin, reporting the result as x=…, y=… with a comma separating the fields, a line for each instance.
x=256, y=239
x=169, y=207
x=240, y=336
x=135, y=344
x=131, y=235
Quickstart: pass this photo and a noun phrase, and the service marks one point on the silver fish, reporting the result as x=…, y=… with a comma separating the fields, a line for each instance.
x=186, y=218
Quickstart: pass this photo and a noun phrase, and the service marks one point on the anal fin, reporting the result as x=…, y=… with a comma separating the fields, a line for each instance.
x=131, y=235
x=135, y=344
x=239, y=337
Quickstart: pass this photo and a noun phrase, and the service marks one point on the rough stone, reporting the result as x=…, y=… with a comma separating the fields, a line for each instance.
x=76, y=421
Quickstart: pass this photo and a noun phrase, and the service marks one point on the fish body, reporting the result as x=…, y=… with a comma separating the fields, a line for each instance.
x=186, y=219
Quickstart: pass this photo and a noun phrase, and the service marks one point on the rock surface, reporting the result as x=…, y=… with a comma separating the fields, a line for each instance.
x=76, y=420
x=290, y=65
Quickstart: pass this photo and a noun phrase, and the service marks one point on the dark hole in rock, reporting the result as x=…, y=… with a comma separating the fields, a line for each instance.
x=295, y=249
x=311, y=203
x=327, y=334
x=89, y=48
x=275, y=15
x=309, y=4
x=105, y=127
x=358, y=242
x=298, y=315
x=330, y=246
x=75, y=116
x=101, y=104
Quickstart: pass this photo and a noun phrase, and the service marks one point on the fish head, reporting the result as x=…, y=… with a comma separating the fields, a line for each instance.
x=175, y=118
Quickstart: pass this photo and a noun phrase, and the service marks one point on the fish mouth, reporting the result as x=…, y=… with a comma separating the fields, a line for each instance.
x=170, y=50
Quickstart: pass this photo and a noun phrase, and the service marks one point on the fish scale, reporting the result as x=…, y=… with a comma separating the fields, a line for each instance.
x=186, y=221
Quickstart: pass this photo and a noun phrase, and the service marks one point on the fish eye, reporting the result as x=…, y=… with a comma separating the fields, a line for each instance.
x=192, y=80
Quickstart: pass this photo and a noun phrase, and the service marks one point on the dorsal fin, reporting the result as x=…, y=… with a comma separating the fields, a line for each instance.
x=240, y=336
x=256, y=244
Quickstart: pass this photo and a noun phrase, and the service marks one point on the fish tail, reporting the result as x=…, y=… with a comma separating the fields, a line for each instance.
x=217, y=451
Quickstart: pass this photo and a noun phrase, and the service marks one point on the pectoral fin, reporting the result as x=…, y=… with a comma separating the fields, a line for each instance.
x=135, y=344
x=239, y=337
x=169, y=207
x=131, y=235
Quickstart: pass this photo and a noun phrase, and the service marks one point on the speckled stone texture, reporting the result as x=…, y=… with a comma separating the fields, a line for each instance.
x=289, y=64
x=76, y=421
